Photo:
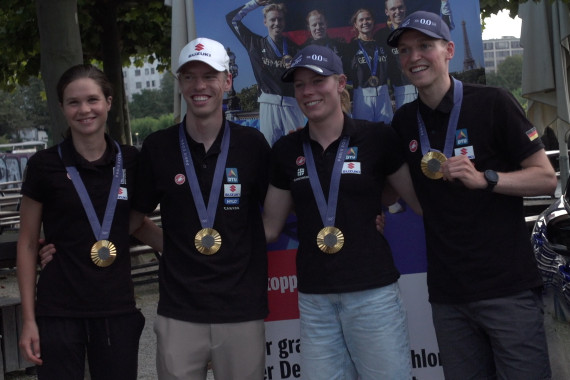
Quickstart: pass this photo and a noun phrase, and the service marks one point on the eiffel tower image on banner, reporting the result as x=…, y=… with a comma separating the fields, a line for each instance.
x=468, y=62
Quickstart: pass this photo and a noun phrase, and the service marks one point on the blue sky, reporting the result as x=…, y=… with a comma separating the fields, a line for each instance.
x=211, y=22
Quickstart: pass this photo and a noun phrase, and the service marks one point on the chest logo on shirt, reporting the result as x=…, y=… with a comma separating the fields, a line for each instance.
x=413, y=146
x=232, y=190
x=465, y=151
x=532, y=134
x=300, y=161
x=300, y=172
x=123, y=194
x=352, y=153
x=232, y=175
x=179, y=179
x=461, y=137
x=351, y=168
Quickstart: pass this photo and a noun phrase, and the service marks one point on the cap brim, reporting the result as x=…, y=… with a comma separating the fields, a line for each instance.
x=289, y=77
x=394, y=37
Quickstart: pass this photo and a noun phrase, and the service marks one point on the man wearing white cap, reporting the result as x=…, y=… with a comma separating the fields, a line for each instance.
x=209, y=177
x=473, y=155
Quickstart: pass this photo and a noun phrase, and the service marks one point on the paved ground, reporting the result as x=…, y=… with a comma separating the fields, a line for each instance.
x=146, y=297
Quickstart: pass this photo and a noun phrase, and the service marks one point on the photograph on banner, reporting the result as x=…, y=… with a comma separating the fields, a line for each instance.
x=262, y=36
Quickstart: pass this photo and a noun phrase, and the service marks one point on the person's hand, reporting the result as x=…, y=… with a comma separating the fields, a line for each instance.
x=461, y=168
x=30, y=342
x=380, y=222
x=45, y=253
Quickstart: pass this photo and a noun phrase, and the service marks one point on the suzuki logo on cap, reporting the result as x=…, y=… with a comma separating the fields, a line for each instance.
x=199, y=47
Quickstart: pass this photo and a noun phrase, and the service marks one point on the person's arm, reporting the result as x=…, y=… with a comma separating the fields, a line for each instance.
x=235, y=17
x=446, y=15
x=401, y=181
x=536, y=176
x=28, y=244
x=277, y=207
x=146, y=230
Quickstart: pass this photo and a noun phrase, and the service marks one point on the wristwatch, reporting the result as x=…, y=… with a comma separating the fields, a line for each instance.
x=492, y=177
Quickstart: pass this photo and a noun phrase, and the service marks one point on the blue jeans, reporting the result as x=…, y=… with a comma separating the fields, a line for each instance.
x=499, y=338
x=358, y=335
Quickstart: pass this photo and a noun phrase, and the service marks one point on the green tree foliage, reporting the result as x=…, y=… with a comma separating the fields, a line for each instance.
x=153, y=103
x=248, y=98
x=147, y=125
x=143, y=29
x=111, y=32
x=509, y=76
x=24, y=107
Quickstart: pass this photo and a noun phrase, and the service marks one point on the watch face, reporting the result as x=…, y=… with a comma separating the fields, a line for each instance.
x=491, y=176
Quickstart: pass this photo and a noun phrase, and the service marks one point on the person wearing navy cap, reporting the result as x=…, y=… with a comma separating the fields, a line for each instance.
x=353, y=322
x=473, y=155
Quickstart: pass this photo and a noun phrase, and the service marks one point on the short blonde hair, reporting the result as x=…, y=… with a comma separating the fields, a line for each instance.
x=279, y=7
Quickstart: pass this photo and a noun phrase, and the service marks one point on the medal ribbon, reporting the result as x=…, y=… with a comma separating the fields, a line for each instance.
x=101, y=231
x=327, y=211
x=451, y=125
x=373, y=68
x=206, y=215
x=276, y=49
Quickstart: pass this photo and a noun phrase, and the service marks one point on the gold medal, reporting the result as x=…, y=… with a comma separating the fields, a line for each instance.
x=431, y=164
x=287, y=60
x=373, y=81
x=330, y=240
x=208, y=241
x=103, y=253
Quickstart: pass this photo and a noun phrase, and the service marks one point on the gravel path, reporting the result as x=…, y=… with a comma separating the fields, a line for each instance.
x=146, y=297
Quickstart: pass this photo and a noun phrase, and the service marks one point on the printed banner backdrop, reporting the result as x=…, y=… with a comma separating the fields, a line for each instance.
x=404, y=231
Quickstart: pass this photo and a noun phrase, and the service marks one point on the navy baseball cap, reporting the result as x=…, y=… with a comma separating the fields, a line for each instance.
x=317, y=58
x=427, y=23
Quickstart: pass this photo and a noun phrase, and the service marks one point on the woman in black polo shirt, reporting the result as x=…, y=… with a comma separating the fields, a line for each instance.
x=79, y=192
x=333, y=171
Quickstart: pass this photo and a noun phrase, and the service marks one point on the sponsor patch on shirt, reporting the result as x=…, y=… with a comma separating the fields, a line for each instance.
x=413, y=146
x=232, y=190
x=351, y=168
x=465, y=151
x=461, y=137
x=123, y=194
x=179, y=179
x=352, y=153
x=532, y=134
x=232, y=175
x=231, y=201
x=300, y=161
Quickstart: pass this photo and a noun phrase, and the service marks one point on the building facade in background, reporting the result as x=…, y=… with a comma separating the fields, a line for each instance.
x=496, y=51
x=137, y=79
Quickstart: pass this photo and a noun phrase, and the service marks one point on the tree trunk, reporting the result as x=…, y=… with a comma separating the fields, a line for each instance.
x=60, y=48
x=105, y=14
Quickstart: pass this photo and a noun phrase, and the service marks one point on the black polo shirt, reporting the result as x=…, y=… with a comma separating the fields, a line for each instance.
x=477, y=241
x=365, y=261
x=231, y=285
x=72, y=285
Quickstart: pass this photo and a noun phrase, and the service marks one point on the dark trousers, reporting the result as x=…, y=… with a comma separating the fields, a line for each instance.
x=111, y=345
x=500, y=338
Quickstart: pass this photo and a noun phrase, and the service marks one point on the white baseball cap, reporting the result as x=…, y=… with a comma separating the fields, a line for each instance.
x=205, y=50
